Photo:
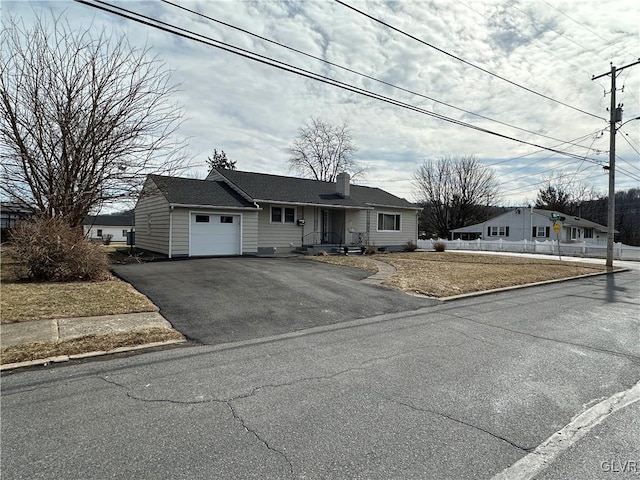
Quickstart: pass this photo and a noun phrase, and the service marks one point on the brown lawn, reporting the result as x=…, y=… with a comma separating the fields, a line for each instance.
x=447, y=274
x=22, y=301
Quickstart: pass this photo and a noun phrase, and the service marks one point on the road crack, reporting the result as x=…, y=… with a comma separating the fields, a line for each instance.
x=457, y=420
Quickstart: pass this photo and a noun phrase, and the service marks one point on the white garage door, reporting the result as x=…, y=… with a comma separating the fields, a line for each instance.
x=213, y=234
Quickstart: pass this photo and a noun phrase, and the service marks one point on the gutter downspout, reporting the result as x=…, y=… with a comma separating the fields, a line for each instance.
x=170, y=229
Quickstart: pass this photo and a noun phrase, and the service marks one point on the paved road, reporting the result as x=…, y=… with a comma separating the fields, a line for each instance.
x=220, y=300
x=460, y=390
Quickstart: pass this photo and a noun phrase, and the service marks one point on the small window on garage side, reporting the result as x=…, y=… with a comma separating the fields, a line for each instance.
x=276, y=214
x=202, y=218
x=99, y=232
x=225, y=219
x=289, y=215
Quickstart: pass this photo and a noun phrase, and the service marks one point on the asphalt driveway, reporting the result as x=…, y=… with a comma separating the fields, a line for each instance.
x=220, y=300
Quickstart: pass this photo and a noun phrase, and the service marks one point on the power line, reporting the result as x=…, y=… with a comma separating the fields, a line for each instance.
x=175, y=30
x=541, y=150
x=535, y=43
x=632, y=147
x=464, y=61
x=547, y=27
x=609, y=42
x=364, y=75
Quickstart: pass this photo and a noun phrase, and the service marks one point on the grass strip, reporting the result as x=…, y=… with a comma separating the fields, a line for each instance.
x=89, y=343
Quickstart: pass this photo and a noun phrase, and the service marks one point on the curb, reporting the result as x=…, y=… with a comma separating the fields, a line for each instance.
x=79, y=356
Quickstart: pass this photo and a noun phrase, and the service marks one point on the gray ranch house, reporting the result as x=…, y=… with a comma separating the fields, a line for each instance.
x=533, y=224
x=245, y=213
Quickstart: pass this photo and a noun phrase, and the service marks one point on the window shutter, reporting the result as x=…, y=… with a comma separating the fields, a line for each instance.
x=507, y=231
x=547, y=231
x=533, y=231
x=488, y=231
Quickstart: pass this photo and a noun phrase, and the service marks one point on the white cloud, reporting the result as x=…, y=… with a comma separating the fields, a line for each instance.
x=252, y=111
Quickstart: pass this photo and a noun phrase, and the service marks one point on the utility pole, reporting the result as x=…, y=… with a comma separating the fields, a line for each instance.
x=615, y=116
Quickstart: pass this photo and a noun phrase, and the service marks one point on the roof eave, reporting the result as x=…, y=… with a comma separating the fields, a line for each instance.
x=218, y=207
x=309, y=204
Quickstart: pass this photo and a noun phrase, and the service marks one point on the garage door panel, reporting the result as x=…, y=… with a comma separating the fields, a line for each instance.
x=215, y=234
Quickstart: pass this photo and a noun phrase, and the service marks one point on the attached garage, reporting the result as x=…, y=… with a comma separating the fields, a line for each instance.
x=214, y=234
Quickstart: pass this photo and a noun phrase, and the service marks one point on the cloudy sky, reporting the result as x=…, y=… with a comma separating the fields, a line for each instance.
x=519, y=68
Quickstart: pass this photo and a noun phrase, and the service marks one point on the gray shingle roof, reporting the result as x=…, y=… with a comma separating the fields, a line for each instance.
x=190, y=191
x=109, y=220
x=275, y=188
x=571, y=220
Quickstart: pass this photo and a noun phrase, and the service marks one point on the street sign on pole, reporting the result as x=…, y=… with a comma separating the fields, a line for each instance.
x=556, y=228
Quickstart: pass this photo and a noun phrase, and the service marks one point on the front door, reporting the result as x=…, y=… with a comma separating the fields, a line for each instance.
x=325, y=222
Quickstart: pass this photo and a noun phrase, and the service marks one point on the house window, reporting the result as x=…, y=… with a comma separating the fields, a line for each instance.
x=588, y=233
x=498, y=231
x=540, y=231
x=99, y=232
x=283, y=215
x=202, y=218
x=276, y=214
x=225, y=219
x=289, y=215
x=575, y=233
x=124, y=232
x=389, y=222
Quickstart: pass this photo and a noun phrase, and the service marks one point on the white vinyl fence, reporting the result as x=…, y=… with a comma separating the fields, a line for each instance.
x=548, y=247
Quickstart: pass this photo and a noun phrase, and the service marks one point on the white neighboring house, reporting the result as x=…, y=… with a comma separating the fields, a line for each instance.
x=534, y=224
x=97, y=227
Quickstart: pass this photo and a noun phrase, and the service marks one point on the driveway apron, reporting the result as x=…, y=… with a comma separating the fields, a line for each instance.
x=220, y=300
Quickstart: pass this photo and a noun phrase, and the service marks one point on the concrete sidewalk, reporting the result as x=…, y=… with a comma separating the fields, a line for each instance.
x=56, y=330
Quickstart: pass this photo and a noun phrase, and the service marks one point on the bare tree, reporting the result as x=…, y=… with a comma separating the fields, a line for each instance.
x=564, y=194
x=85, y=117
x=220, y=160
x=322, y=151
x=455, y=192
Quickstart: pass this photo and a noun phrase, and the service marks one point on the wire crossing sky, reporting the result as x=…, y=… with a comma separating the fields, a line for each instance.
x=507, y=88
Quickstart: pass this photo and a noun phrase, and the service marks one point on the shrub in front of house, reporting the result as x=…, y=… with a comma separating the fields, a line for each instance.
x=410, y=246
x=439, y=246
x=48, y=249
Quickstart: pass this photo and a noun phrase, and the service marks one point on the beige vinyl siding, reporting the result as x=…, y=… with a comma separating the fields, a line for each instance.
x=250, y=232
x=279, y=235
x=408, y=228
x=180, y=232
x=356, y=221
x=155, y=208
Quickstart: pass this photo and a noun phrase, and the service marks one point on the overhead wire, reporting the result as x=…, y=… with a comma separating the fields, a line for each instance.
x=466, y=62
x=184, y=33
x=609, y=42
x=364, y=75
x=548, y=51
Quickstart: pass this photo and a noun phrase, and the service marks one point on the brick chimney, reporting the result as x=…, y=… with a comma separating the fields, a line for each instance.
x=342, y=184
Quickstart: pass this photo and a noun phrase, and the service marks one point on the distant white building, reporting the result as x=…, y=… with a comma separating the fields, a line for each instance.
x=97, y=227
x=533, y=224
